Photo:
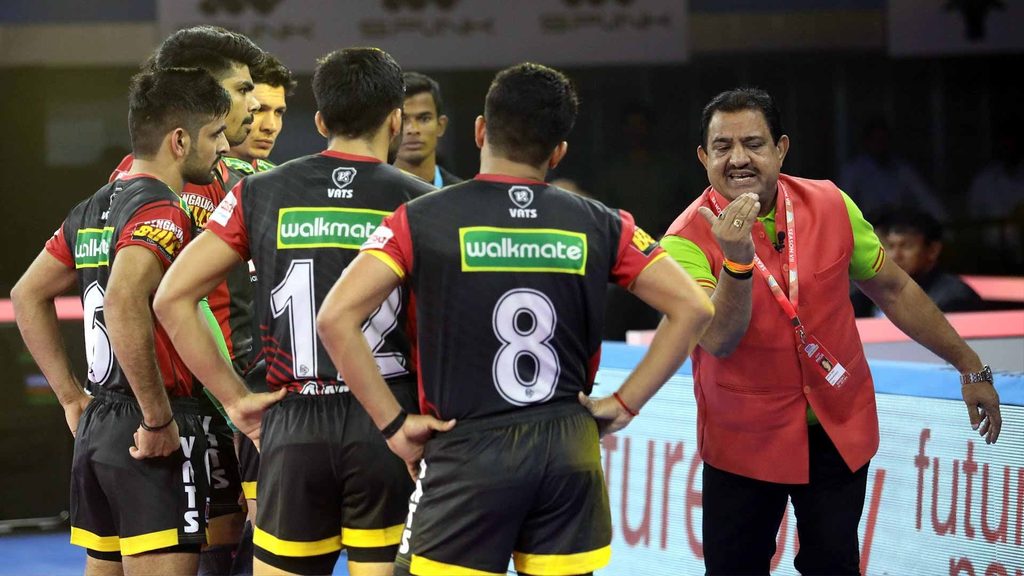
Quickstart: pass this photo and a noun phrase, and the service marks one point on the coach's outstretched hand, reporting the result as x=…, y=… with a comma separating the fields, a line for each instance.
x=609, y=413
x=408, y=442
x=246, y=413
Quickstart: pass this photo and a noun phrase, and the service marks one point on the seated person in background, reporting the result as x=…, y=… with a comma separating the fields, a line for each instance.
x=913, y=239
x=880, y=176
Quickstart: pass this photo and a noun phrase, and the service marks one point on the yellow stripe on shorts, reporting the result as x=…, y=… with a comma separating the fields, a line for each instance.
x=249, y=489
x=426, y=567
x=562, y=564
x=147, y=542
x=86, y=539
x=376, y=538
x=281, y=547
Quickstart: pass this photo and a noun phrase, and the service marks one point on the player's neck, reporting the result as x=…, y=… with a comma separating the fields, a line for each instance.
x=377, y=147
x=169, y=175
x=491, y=164
x=424, y=170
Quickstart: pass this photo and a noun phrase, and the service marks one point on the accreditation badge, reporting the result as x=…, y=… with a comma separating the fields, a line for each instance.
x=813, y=351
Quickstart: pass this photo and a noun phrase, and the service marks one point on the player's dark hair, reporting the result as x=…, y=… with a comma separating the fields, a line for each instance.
x=902, y=220
x=740, y=99
x=273, y=73
x=416, y=83
x=530, y=110
x=162, y=100
x=356, y=89
x=211, y=48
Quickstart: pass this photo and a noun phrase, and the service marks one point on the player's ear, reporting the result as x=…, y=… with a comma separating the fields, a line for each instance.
x=395, y=123
x=442, y=124
x=321, y=127
x=558, y=154
x=180, y=142
x=479, y=131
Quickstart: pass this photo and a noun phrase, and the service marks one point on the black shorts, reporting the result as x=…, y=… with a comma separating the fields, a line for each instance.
x=248, y=456
x=225, y=483
x=526, y=485
x=248, y=465
x=120, y=504
x=327, y=480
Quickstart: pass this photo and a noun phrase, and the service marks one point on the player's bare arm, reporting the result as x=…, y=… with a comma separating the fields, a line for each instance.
x=913, y=312
x=731, y=296
x=687, y=313
x=134, y=276
x=364, y=285
x=36, y=315
x=203, y=264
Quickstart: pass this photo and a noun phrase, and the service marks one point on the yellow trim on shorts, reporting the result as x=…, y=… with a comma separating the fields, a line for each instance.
x=249, y=489
x=421, y=566
x=562, y=564
x=293, y=548
x=86, y=539
x=147, y=542
x=375, y=538
x=387, y=259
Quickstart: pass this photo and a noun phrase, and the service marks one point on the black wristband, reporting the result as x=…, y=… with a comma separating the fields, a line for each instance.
x=736, y=275
x=156, y=428
x=395, y=425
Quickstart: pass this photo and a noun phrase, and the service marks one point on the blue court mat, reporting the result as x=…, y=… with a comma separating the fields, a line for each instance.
x=51, y=554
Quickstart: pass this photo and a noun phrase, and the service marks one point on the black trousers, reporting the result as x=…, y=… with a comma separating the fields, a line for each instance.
x=742, y=516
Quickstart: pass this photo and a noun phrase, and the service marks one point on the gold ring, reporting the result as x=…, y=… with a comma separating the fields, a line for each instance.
x=737, y=223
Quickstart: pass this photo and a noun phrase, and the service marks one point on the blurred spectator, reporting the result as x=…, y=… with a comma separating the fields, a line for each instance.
x=913, y=240
x=879, y=179
x=996, y=198
x=642, y=177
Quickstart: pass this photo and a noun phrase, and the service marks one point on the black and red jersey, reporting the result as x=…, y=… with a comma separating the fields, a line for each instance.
x=132, y=211
x=231, y=300
x=301, y=224
x=509, y=278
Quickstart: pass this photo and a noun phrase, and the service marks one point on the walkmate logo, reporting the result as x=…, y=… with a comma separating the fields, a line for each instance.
x=92, y=247
x=486, y=249
x=326, y=227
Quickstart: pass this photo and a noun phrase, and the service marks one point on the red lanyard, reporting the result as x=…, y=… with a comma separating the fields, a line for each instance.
x=789, y=305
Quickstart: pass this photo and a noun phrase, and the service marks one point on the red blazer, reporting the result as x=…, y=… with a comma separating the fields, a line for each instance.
x=751, y=405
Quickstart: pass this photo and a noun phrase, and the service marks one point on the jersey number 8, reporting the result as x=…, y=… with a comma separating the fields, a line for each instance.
x=526, y=366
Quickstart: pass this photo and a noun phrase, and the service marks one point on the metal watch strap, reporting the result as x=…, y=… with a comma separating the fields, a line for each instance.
x=983, y=375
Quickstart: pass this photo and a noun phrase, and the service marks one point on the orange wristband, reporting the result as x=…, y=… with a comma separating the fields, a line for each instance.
x=737, y=268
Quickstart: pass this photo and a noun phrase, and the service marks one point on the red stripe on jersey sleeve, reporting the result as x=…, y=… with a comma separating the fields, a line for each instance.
x=58, y=247
x=161, y=227
x=228, y=224
x=394, y=239
x=637, y=250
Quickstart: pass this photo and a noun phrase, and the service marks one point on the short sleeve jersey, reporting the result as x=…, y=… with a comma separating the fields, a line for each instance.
x=231, y=300
x=301, y=224
x=509, y=278
x=132, y=211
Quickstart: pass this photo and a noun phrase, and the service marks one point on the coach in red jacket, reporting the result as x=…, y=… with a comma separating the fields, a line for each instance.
x=786, y=405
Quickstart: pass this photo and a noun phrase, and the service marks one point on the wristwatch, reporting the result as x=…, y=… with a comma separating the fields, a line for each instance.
x=983, y=375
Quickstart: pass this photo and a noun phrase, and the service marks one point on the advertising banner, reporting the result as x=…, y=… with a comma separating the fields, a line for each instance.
x=451, y=34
